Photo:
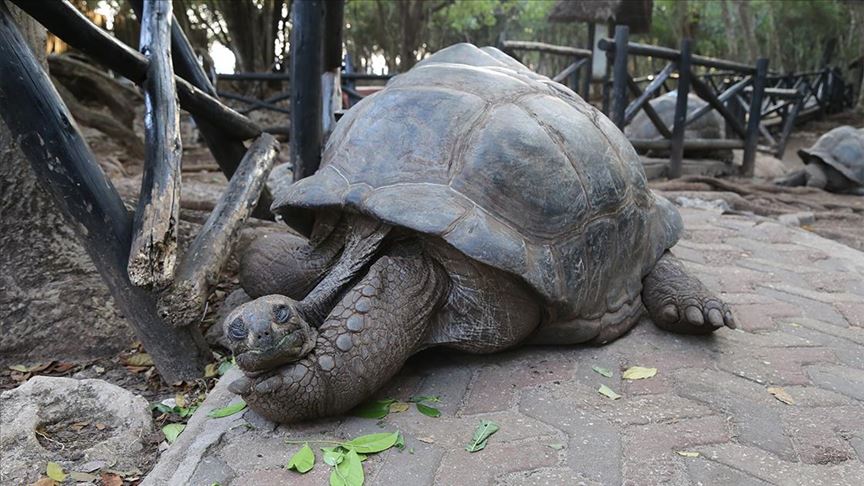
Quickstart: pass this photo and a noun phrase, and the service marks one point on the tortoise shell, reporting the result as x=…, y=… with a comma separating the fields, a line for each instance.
x=509, y=167
x=709, y=126
x=843, y=149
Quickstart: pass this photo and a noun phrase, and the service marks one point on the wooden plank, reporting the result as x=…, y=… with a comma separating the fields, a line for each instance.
x=672, y=54
x=88, y=202
x=306, y=62
x=754, y=118
x=548, y=48
x=646, y=95
x=680, y=120
x=198, y=272
x=620, y=76
x=154, y=243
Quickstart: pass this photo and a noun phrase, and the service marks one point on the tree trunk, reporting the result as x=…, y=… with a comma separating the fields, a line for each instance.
x=745, y=15
x=857, y=10
x=53, y=303
x=731, y=30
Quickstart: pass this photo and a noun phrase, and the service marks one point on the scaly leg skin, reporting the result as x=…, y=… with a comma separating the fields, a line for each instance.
x=286, y=264
x=679, y=302
x=363, y=342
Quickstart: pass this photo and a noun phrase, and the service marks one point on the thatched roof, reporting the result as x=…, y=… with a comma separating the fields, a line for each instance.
x=634, y=13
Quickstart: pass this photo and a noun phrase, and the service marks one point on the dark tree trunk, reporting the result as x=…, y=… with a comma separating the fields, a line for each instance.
x=53, y=303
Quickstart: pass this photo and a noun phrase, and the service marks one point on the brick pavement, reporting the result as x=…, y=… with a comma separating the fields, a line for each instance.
x=799, y=300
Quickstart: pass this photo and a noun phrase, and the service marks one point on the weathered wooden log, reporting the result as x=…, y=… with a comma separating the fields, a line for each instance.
x=680, y=119
x=154, y=241
x=183, y=302
x=64, y=164
x=548, y=48
x=65, y=21
x=754, y=118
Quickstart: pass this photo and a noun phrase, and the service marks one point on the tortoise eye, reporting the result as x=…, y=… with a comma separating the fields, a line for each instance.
x=236, y=330
x=282, y=313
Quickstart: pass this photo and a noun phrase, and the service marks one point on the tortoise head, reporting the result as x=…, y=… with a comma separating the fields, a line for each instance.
x=268, y=332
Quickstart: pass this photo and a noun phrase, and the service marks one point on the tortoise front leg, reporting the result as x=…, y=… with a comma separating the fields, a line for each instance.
x=363, y=342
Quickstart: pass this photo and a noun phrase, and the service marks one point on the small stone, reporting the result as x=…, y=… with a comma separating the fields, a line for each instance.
x=344, y=342
x=363, y=305
x=355, y=323
x=326, y=362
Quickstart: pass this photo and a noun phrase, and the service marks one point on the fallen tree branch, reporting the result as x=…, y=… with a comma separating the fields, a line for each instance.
x=183, y=302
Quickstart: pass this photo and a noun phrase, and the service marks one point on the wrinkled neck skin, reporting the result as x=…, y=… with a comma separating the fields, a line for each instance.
x=364, y=237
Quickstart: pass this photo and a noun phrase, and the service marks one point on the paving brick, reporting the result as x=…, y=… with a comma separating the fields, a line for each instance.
x=760, y=317
x=841, y=379
x=815, y=438
x=649, y=455
x=550, y=476
x=853, y=312
x=462, y=467
x=415, y=465
x=705, y=472
x=808, y=308
x=776, y=366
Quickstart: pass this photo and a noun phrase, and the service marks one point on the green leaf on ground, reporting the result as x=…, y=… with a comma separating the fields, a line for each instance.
x=83, y=477
x=302, y=460
x=229, y=410
x=424, y=398
x=372, y=443
x=375, y=409
x=638, y=373
x=172, y=431
x=19, y=368
x=603, y=371
x=481, y=435
x=400, y=442
x=55, y=472
x=687, y=453
x=349, y=472
x=608, y=392
x=139, y=359
x=398, y=407
x=224, y=367
x=556, y=447
x=781, y=394
x=428, y=411
x=333, y=455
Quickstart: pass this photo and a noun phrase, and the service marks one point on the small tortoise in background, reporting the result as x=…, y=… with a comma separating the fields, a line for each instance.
x=834, y=163
x=471, y=204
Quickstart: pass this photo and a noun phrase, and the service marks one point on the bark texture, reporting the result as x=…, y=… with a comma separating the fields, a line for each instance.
x=53, y=303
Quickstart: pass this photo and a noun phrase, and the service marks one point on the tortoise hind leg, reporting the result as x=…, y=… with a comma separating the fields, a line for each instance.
x=679, y=302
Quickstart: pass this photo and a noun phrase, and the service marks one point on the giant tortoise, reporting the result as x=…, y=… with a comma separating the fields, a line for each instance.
x=471, y=204
x=709, y=126
x=834, y=163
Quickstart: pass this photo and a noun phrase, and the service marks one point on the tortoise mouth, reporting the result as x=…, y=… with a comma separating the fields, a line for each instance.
x=289, y=348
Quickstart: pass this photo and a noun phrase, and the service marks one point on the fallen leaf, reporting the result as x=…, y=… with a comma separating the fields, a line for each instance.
x=55, y=472
x=229, y=410
x=400, y=443
x=603, y=371
x=427, y=440
x=83, y=477
x=39, y=367
x=139, y=359
x=638, y=373
x=556, y=447
x=481, y=435
x=20, y=368
x=687, y=453
x=63, y=368
x=372, y=443
x=211, y=370
x=224, y=367
x=172, y=431
x=45, y=482
x=302, y=460
x=398, y=407
x=109, y=479
x=781, y=394
x=138, y=369
x=333, y=455
x=100, y=426
x=180, y=400
x=375, y=409
x=608, y=392
x=428, y=411
x=349, y=472
x=424, y=398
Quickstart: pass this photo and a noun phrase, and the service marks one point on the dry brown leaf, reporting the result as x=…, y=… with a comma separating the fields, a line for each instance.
x=109, y=479
x=781, y=394
x=45, y=482
x=428, y=440
x=139, y=359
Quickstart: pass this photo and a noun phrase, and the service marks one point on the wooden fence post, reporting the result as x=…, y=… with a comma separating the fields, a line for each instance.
x=67, y=169
x=619, y=75
x=754, y=118
x=306, y=62
x=680, y=120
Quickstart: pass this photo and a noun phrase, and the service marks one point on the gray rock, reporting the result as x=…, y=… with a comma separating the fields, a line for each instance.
x=797, y=219
x=73, y=423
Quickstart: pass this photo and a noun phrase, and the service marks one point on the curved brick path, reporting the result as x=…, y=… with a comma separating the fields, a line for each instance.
x=799, y=301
